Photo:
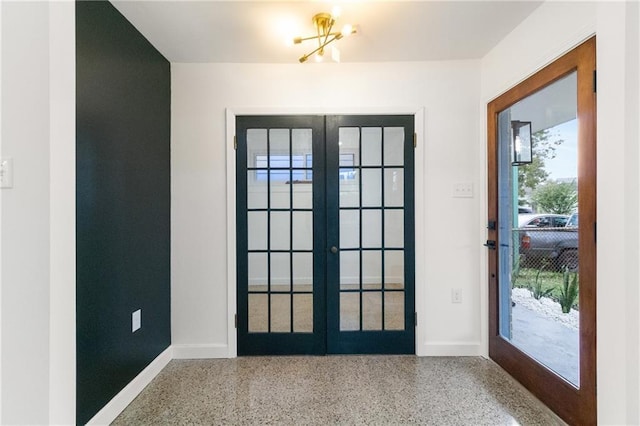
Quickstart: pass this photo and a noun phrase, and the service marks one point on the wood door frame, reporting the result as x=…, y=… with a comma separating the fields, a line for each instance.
x=229, y=349
x=576, y=406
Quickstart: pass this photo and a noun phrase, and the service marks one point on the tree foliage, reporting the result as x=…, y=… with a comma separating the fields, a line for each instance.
x=556, y=197
x=532, y=175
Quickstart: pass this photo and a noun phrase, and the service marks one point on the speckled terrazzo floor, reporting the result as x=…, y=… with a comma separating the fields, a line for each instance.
x=345, y=390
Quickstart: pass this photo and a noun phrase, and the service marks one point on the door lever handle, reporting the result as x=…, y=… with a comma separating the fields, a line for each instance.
x=490, y=244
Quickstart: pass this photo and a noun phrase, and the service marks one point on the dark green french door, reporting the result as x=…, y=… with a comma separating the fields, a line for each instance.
x=325, y=234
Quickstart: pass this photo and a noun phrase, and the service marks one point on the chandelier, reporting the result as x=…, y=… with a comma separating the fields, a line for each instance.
x=324, y=23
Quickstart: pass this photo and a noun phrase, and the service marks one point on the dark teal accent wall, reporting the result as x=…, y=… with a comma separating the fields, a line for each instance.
x=123, y=96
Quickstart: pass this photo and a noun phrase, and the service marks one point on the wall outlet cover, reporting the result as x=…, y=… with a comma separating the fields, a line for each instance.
x=136, y=320
x=456, y=295
x=6, y=172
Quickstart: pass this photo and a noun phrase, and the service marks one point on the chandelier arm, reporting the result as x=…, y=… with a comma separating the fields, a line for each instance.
x=331, y=23
x=320, y=35
x=326, y=43
x=301, y=39
x=322, y=46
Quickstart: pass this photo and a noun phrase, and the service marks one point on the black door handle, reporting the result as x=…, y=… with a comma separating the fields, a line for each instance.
x=490, y=244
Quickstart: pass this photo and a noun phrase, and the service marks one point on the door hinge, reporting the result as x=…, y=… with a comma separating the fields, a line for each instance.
x=415, y=319
x=235, y=143
x=595, y=81
x=415, y=140
x=235, y=320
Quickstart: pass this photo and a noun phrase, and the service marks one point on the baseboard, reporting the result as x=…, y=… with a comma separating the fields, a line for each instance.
x=451, y=349
x=215, y=350
x=119, y=402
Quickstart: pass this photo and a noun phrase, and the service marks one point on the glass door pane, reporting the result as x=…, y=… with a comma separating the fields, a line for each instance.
x=538, y=227
x=371, y=228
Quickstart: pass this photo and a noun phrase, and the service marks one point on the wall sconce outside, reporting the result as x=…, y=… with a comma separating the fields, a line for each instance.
x=522, y=143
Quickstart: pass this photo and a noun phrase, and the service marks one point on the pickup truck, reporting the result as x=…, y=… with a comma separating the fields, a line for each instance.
x=549, y=241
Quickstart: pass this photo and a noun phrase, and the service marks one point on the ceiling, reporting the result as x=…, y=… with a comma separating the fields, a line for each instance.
x=255, y=31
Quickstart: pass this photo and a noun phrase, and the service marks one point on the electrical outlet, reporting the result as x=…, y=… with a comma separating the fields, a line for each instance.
x=136, y=320
x=463, y=190
x=456, y=295
x=6, y=172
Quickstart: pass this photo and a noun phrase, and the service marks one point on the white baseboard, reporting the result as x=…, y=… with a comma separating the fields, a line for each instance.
x=119, y=402
x=215, y=350
x=451, y=349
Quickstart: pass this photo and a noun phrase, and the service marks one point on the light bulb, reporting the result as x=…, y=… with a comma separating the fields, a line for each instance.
x=518, y=145
x=347, y=30
x=335, y=54
x=336, y=12
x=319, y=57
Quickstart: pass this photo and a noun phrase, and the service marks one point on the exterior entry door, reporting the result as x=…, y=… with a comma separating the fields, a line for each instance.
x=542, y=242
x=325, y=234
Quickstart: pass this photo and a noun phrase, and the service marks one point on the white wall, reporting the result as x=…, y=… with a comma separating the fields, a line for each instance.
x=37, y=221
x=449, y=93
x=550, y=31
x=1, y=31
x=25, y=214
x=62, y=241
x=635, y=402
x=618, y=233
x=618, y=131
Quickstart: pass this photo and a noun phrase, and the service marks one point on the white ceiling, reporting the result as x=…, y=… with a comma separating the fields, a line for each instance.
x=255, y=31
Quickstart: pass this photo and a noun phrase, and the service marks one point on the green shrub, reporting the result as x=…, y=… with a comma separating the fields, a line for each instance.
x=538, y=290
x=515, y=272
x=569, y=290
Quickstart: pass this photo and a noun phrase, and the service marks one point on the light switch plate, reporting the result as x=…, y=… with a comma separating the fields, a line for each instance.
x=6, y=172
x=463, y=190
x=136, y=320
x=456, y=295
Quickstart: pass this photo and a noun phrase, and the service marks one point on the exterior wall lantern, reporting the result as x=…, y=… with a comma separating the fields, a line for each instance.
x=522, y=143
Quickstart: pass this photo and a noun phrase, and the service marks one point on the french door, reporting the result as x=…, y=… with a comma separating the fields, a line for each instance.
x=325, y=242
x=541, y=230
